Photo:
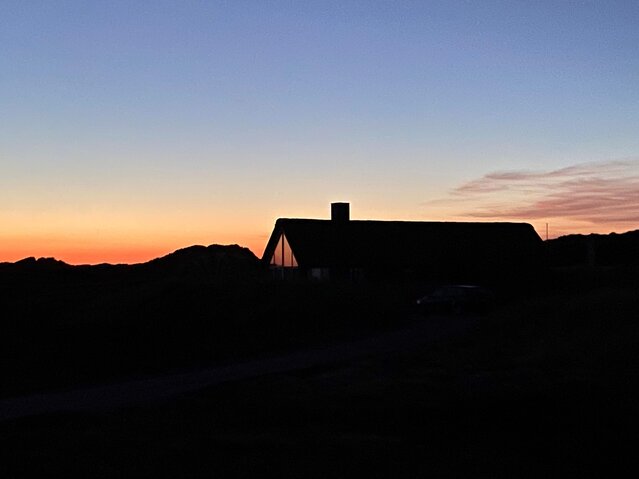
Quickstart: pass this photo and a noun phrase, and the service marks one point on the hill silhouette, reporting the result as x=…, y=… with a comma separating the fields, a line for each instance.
x=595, y=250
x=216, y=260
x=39, y=263
x=581, y=261
x=231, y=261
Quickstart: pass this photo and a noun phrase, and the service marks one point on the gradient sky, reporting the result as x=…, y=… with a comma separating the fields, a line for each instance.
x=129, y=129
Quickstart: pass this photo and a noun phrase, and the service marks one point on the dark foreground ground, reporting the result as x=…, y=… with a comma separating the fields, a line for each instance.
x=542, y=387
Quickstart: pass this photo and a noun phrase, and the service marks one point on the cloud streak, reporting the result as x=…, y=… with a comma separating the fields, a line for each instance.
x=602, y=196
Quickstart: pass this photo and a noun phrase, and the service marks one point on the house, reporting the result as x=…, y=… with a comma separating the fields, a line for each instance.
x=424, y=250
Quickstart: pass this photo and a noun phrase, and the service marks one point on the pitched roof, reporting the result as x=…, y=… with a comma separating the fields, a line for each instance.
x=404, y=243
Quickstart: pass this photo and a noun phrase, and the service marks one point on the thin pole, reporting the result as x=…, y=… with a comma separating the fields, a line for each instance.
x=546, y=231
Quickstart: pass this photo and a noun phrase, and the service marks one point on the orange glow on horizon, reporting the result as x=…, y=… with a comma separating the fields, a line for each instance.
x=100, y=253
x=88, y=252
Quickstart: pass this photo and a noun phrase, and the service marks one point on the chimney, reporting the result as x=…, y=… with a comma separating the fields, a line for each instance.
x=340, y=212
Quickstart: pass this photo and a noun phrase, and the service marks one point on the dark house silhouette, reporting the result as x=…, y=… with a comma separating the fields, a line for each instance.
x=431, y=251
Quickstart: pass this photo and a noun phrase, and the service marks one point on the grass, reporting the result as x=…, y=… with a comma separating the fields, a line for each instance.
x=544, y=386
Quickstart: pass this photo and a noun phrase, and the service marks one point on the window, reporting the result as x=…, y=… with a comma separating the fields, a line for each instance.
x=283, y=255
x=319, y=274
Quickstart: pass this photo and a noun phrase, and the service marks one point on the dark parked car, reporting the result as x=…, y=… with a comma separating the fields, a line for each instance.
x=457, y=298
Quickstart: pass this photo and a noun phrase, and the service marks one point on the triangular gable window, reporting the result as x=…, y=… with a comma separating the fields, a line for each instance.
x=283, y=255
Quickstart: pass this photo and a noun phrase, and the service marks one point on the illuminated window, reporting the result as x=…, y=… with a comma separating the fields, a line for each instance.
x=319, y=274
x=283, y=255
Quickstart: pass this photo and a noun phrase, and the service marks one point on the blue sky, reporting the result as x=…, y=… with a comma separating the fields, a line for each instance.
x=204, y=121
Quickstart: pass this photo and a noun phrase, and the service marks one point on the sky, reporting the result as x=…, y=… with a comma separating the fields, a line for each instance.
x=129, y=129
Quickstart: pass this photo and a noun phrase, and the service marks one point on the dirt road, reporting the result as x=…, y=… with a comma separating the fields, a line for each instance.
x=418, y=333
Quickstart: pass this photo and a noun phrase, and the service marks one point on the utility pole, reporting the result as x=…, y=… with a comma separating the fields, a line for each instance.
x=546, y=231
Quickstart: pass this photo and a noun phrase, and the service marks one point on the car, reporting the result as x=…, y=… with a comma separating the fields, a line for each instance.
x=455, y=299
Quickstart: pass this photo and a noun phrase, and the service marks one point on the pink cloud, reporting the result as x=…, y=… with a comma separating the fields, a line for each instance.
x=604, y=195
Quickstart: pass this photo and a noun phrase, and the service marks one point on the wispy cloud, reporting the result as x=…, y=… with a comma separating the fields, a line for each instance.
x=600, y=196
